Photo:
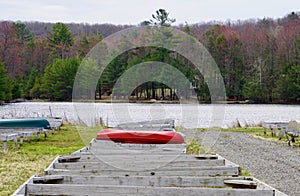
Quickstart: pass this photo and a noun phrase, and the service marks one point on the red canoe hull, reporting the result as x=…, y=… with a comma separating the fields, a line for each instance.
x=141, y=137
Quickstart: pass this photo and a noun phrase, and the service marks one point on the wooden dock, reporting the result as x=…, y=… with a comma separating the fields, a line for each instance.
x=289, y=129
x=16, y=134
x=107, y=168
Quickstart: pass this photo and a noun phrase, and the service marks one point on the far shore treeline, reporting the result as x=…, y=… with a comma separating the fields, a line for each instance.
x=259, y=59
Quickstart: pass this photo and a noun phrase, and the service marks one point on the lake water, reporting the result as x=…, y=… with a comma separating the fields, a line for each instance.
x=186, y=115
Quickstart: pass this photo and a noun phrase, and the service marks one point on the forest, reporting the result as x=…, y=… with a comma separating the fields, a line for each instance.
x=259, y=59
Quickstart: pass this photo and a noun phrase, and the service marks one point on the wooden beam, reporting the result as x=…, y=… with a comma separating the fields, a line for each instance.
x=90, y=157
x=63, y=159
x=186, y=171
x=63, y=189
x=241, y=184
x=157, y=181
x=149, y=163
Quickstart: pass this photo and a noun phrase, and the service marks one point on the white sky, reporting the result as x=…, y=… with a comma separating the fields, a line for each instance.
x=135, y=11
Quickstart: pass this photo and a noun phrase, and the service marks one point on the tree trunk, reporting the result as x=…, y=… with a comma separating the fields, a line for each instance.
x=99, y=91
x=153, y=90
x=147, y=94
x=137, y=93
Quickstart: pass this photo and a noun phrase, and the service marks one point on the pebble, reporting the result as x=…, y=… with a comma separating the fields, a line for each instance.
x=274, y=163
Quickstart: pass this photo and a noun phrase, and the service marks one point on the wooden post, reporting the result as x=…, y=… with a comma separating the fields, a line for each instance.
x=265, y=130
x=15, y=141
x=5, y=144
x=21, y=139
x=38, y=135
x=46, y=133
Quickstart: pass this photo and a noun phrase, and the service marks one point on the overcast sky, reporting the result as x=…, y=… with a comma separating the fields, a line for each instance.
x=135, y=11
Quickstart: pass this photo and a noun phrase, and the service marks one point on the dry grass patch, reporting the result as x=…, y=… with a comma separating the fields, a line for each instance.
x=19, y=163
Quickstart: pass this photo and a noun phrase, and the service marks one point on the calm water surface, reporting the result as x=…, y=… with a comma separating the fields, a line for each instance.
x=187, y=115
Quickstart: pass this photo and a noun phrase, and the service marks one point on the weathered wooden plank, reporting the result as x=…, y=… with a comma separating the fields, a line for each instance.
x=131, y=152
x=250, y=184
x=145, y=163
x=18, y=130
x=205, y=156
x=273, y=126
x=152, y=160
x=141, y=162
x=26, y=134
x=136, y=149
x=157, y=181
x=168, y=123
x=126, y=153
x=47, y=179
x=182, y=156
x=109, y=147
x=155, y=159
x=191, y=171
x=63, y=159
x=59, y=189
x=8, y=137
x=147, y=150
x=87, y=156
x=23, y=132
x=103, y=144
x=117, y=150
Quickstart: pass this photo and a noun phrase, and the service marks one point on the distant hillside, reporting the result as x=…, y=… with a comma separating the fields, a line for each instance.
x=42, y=29
x=259, y=59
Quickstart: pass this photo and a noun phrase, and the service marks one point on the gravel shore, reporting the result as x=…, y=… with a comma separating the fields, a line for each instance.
x=275, y=163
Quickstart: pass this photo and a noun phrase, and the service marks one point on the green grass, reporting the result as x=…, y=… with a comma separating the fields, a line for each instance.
x=88, y=133
x=194, y=147
x=252, y=130
x=259, y=132
x=255, y=131
x=245, y=173
x=17, y=164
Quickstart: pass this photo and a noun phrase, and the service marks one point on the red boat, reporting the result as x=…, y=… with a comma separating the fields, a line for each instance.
x=141, y=137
